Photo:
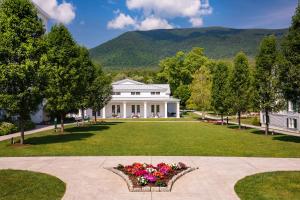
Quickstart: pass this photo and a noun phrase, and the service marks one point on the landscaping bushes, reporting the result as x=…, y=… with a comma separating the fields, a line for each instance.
x=7, y=128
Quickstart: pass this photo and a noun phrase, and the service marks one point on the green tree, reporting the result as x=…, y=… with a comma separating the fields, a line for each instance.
x=220, y=90
x=178, y=71
x=266, y=78
x=100, y=92
x=239, y=85
x=201, y=90
x=21, y=47
x=87, y=76
x=290, y=67
x=63, y=73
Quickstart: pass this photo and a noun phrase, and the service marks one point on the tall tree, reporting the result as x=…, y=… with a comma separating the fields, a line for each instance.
x=201, y=90
x=266, y=78
x=239, y=85
x=100, y=92
x=220, y=90
x=87, y=76
x=21, y=47
x=290, y=67
x=178, y=71
x=63, y=72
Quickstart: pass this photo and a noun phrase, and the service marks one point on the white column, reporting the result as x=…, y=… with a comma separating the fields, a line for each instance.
x=145, y=109
x=178, y=110
x=166, y=109
x=103, y=113
x=124, y=110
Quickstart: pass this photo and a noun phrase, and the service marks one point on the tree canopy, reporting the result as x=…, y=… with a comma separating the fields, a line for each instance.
x=21, y=48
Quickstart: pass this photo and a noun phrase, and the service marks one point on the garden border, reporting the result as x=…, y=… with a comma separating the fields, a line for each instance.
x=147, y=188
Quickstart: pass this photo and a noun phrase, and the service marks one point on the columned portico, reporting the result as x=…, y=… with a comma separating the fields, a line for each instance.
x=103, y=113
x=166, y=109
x=178, y=110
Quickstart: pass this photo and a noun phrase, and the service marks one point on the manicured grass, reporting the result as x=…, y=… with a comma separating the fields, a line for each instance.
x=271, y=185
x=155, y=138
x=26, y=185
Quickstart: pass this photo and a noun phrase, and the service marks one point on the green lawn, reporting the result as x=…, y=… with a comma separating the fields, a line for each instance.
x=25, y=185
x=155, y=138
x=271, y=185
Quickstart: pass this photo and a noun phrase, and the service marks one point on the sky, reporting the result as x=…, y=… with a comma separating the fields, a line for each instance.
x=93, y=22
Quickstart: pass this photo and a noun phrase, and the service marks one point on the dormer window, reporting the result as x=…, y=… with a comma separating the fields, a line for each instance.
x=135, y=93
x=116, y=93
x=155, y=93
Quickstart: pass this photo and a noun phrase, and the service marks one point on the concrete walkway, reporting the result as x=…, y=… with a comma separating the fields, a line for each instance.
x=87, y=179
x=39, y=128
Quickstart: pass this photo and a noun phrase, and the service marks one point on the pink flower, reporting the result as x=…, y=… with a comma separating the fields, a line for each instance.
x=140, y=173
x=150, y=178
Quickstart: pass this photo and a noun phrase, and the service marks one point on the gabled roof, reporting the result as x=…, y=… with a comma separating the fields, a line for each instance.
x=128, y=82
x=131, y=85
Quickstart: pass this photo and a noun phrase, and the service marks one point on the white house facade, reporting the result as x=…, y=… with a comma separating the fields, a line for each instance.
x=286, y=120
x=132, y=99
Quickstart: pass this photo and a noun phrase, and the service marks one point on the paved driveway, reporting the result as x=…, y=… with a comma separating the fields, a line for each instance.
x=87, y=179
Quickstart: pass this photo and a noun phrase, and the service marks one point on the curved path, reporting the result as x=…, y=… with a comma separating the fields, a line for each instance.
x=87, y=179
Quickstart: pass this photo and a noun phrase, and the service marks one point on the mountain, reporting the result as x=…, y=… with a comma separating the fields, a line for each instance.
x=145, y=48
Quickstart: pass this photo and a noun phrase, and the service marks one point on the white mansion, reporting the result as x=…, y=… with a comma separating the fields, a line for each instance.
x=132, y=99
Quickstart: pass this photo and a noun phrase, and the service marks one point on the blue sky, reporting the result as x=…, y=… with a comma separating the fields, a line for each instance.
x=93, y=22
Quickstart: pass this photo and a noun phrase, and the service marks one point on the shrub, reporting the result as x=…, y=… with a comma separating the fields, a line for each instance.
x=7, y=128
x=29, y=125
x=255, y=121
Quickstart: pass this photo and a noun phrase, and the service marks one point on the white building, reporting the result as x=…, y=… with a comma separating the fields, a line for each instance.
x=286, y=120
x=132, y=99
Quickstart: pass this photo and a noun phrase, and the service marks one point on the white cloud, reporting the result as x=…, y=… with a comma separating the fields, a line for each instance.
x=154, y=23
x=196, y=22
x=156, y=13
x=121, y=21
x=63, y=13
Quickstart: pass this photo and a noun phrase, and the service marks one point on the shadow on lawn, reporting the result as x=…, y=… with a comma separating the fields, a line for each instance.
x=287, y=138
x=71, y=134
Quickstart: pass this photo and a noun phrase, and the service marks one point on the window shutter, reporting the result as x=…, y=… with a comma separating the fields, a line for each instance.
x=295, y=123
x=287, y=122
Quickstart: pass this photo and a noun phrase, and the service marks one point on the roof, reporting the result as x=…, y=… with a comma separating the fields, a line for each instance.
x=41, y=11
x=131, y=85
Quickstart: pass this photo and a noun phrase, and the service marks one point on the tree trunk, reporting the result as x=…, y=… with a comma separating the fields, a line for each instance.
x=82, y=115
x=239, y=119
x=222, y=119
x=95, y=117
x=267, y=123
x=62, y=126
x=21, y=124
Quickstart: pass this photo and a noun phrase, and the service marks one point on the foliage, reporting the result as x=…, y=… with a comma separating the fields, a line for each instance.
x=147, y=76
x=7, y=128
x=201, y=90
x=178, y=71
x=255, y=121
x=239, y=85
x=26, y=185
x=21, y=47
x=270, y=185
x=266, y=76
x=220, y=89
x=63, y=72
x=100, y=92
x=143, y=49
x=290, y=65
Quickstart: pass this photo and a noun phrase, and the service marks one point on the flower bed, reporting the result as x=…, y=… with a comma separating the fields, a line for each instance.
x=146, y=177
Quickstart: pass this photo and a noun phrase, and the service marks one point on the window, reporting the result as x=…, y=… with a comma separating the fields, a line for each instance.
x=157, y=109
x=152, y=108
x=135, y=93
x=292, y=123
x=113, y=108
x=133, y=109
x=99, y=113
x=116, y=93
x=118, y=109
x=138, y=109
x=155, y=93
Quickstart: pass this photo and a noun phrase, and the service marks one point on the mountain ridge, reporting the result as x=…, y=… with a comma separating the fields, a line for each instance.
x=140, y=49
